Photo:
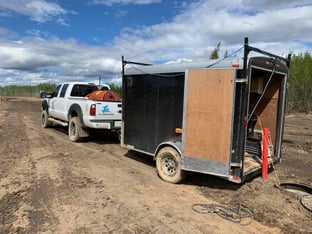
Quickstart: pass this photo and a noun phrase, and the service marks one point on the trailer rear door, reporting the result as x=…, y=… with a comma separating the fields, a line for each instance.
x=208, y=120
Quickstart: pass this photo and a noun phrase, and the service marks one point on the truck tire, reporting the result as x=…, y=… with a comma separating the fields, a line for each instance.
x=45, y=122
x=119, y=135
x=168, y=164
x=74, y=127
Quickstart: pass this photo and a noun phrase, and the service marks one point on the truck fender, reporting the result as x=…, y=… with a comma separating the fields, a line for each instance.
x=75, y=110
x=176, y=145
x=44, y=105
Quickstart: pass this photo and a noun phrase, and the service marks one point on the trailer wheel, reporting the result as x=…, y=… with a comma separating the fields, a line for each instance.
x=168, y=164
x=45, y=122
x=74, y=127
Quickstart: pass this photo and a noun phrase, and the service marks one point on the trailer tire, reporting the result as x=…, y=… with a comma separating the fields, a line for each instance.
x=168, y=164
x=74, y=128
x=45, y=122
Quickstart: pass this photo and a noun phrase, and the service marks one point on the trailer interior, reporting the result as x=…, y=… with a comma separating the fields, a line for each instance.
x=266, y=97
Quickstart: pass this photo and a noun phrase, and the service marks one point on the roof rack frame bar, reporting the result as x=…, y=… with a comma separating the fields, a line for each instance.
x=248, y=49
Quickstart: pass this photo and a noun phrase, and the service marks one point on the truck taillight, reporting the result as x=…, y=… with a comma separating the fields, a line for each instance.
x=93, y=110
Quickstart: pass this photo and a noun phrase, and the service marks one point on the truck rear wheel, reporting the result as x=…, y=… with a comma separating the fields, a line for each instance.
x=74, y=127
x=168, y=164
x=45, y=122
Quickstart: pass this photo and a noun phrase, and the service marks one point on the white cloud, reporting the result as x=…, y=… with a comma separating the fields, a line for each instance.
x=124, y=2
x=38, y=33
x=57, y=60
x=276, y=4
x=9, y=80
x=40, y=11
x=8, y=72
x=205, y=23
x=8, y=34
x=191, y=35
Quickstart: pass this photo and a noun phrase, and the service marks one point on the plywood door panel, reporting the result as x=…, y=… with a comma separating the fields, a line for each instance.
x=208, y=114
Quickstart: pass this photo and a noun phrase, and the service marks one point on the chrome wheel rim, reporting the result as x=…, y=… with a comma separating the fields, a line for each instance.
x=170, y=165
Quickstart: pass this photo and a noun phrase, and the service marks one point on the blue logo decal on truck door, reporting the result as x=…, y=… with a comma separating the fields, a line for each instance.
x=105, y=109
x=53, y=104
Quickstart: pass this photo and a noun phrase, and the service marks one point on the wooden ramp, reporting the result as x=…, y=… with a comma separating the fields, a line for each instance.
x=253, y=163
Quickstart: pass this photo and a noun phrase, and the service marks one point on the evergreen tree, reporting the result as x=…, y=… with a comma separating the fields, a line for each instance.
x=215, y=53
x=226, y=54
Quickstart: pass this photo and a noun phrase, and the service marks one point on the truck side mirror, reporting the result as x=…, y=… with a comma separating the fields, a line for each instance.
x=43, y=94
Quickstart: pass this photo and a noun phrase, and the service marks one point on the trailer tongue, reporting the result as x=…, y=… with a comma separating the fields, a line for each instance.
x=206, y=117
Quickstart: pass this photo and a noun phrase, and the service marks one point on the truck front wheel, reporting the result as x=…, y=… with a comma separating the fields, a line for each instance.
x=168, y=164
x=74, y=127
x=45, y=122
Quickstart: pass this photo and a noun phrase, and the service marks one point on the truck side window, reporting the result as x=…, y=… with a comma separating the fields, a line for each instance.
x=63, y=91
x=56, y=91
x=75, y=91
x=82, y=90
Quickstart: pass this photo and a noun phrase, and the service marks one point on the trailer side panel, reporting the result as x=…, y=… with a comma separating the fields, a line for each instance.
x=153, y=107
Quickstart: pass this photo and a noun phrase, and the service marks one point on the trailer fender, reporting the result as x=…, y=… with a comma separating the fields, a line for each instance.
x=176, y=145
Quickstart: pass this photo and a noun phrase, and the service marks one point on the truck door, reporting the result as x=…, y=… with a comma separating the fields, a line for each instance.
x=207, y=120
x=60, y=104
x=52, y=102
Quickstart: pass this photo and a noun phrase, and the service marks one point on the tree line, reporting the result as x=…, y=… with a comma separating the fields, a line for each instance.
x=299, y=89
x=25, y=91
x=34, y=91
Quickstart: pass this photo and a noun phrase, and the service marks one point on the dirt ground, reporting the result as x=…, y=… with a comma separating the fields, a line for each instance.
x=51, y=185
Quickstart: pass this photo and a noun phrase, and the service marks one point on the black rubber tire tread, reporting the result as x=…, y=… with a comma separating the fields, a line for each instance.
x=169, y=153
x=45, y=122
x=74, y=127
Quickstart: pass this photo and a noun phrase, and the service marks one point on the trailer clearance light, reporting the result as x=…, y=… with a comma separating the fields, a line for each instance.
x=93, y=110
x=236, y=179
x=178, y=130
x=272, y=64
x=235, y=65
x=245, y=122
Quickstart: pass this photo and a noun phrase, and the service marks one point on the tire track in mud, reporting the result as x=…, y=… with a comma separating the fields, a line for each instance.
x=48, y=153
x=15, y=170
x=66, y=174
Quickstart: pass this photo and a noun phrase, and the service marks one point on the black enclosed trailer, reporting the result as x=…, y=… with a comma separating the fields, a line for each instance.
x=206, y=117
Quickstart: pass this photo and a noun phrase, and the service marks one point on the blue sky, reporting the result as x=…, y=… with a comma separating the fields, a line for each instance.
x=64, y=40
x=87, y=21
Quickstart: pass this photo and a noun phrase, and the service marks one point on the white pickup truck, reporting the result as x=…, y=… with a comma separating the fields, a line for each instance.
x=69, y=106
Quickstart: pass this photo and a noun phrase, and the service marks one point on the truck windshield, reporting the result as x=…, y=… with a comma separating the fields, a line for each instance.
x=82, y=90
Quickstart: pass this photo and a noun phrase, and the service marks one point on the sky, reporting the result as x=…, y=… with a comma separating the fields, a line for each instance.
x=53, y=41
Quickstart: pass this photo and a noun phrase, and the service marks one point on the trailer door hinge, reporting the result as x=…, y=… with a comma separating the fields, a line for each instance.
x=239, y=164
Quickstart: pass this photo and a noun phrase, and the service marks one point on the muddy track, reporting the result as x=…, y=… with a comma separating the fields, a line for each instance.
x=51, y=185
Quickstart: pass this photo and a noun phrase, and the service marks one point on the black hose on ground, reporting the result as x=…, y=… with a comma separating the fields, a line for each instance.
x=238, y=213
